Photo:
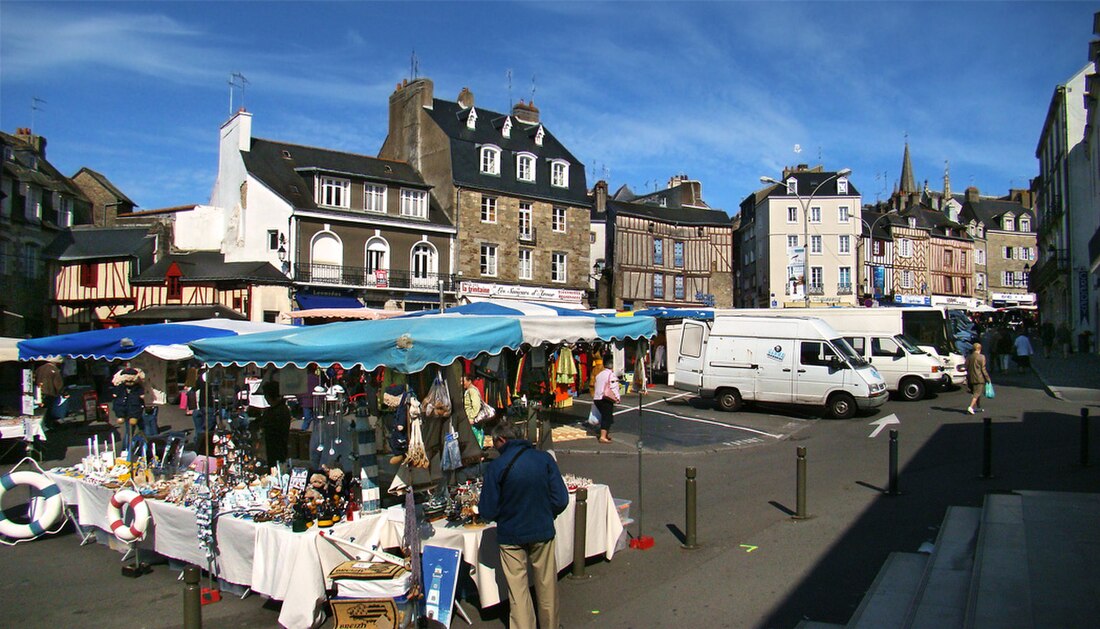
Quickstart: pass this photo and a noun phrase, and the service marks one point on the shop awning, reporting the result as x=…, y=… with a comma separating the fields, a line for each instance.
x=344, y=313
x=409, y=344
x=507, y=308
x=309, y=301
x=163, y=340
x=676, y=313
x=9, y=349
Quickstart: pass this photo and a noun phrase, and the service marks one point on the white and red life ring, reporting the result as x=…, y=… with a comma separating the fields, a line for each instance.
x=140, y=511
x=47, y=514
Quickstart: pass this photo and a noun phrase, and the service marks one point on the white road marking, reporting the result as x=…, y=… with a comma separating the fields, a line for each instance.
x=714, y=423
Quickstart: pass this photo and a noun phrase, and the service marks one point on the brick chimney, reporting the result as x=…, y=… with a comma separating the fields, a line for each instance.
x=526, y=112
x=465, y=98
x=36, y=142
x=972, y=194
x=600, y=191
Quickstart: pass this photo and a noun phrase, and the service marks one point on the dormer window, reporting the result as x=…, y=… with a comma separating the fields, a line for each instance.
x=471, y=119
x=1025, y=223
x=912, y=221
x=490, y=160
x=539, y=135
x=333, y=192
x=842, y=185
x=286, y=154
x=981, y=230
x=559, y=173
x=506, y=130
x=792, y=185
x=1009, y=223
x=525, y=167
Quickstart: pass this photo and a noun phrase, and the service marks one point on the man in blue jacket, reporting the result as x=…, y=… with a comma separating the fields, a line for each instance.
x=523, y=492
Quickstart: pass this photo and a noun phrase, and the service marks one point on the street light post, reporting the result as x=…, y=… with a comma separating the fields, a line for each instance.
x=871, y=236
x=805, y=203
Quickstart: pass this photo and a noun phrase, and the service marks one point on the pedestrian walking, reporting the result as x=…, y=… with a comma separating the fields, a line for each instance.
x=605, y=393
x=49, y=381
x=1023, y=348
x=976, y=377
x=523, y=492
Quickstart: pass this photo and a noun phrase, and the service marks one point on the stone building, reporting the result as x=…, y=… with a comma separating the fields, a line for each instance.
x=1005, y=248
x=517, y=196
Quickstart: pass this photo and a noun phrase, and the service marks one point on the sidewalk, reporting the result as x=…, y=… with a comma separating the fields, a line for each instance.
x=1075, y=378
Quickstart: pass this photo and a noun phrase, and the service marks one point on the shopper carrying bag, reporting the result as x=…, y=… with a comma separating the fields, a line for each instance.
x=604, y=396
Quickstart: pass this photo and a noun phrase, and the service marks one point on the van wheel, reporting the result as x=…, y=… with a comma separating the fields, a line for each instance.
x=729, y=400
x=842, y=406
x=912, y=388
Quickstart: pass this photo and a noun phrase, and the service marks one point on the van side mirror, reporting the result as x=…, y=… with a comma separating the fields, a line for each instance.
x=836, y=364
x=900, y=353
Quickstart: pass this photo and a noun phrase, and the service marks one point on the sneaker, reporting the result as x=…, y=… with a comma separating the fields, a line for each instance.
x=970, y=409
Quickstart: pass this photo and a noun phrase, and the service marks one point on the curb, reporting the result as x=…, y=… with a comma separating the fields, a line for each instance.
x=1051, y=391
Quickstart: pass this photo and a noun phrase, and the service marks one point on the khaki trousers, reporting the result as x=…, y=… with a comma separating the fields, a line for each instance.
x=513, y=559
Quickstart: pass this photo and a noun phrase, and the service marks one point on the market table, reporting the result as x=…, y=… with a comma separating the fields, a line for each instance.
x=26, y=427
x=292, y=567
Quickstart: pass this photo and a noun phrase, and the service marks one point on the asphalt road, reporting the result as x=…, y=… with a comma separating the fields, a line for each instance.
x=756, y=567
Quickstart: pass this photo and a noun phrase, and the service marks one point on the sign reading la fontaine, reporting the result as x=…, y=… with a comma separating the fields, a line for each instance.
x=478, y=289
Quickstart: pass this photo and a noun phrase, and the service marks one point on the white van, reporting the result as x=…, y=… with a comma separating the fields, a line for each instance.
x=787, y=360
x=907, y=369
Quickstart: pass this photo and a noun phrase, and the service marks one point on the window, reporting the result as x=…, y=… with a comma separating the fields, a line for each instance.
x=1008, y=278
x=792, y=185
x=525, y=167
x=907, y=279
x=424, y=269
x=377, y=256
x=1025, y=224
x=842, y=187
x=175, y=286
x=490, y=160
x=883, y=346
x=526, y=266
x=979, y=256
x=817, y=276
x=1008, y=253
x=845, y=277
x=488, y=209
x=489, y=260
x=89, y=274
x=558, y=267
x=374, y=198
x=592, y=238
x=858, y=343
x=815, y=244
x=1009, y=223
x=559, y=174
x=6, y=263
x=65, y=217
x=948, y=258
x=414, y=203
x=948, y=284
x=843, y=215
x=471, y=119
x=678, y=254
x=525, y=232
x=539, y=135
x=878, y=247
x=815, y=215
x=30, y=260
x=678, y=287
x=981, y=281
x=905, y=248
x=816, y=353
x=557, y=219
x=272, y=240
x=334, y=192
x=845, y=243
x=981, y=230
x=658, y=286
x=912, y=221
x=658, y=251
x=792, y=215
x=792, y=242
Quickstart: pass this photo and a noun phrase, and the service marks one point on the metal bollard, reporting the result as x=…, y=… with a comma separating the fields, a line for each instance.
x=580, y=530
x=987, y=447
x=690, y=541
x=892, y=490
x=192, y=603
x=1084, y=436
x=800, y=489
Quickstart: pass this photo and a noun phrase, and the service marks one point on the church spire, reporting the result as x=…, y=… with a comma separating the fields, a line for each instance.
x=908, y=182
x=946, y=181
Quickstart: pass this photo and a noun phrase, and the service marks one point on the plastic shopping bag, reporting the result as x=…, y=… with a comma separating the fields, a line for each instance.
x=989, y=390
x=594, y=416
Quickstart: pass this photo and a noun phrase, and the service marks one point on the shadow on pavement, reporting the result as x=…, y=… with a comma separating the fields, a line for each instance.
x=1040, y=452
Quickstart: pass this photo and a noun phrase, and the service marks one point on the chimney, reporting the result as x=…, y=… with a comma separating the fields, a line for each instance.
x=466, y=98
x=601, y=196
x=407, y=103
x=36, y=142
x=526, y=112
x=972, y=194
x=237, y=131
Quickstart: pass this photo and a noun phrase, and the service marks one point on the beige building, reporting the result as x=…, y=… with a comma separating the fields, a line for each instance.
x=798, y=241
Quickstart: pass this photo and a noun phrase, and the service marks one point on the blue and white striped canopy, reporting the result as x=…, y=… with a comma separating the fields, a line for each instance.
x=410, y=344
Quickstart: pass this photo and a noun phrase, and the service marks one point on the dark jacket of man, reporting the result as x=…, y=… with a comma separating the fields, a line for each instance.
x=129, y=402
x=48, y=377
x=532, y=495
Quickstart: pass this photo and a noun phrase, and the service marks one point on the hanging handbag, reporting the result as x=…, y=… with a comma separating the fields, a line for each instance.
x=989, y=390
x=611, y=388
x=486, y=413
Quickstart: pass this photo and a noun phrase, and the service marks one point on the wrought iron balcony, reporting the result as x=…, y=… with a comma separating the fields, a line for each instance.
x=843, y=289
x=529, y=236
x=816, y=289
x=361, y=277
x=1045, y=271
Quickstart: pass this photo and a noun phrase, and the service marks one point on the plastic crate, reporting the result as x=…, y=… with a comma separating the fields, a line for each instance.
x=623, y=508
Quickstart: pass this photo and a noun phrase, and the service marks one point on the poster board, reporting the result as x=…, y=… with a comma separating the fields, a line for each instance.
x=90, y=403
x=439, y=567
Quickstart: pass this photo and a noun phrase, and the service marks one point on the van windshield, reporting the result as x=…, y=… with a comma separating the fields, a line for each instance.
x=844, y=349
x=910, y=345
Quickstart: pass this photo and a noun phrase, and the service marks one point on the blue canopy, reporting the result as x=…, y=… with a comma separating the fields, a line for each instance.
x=165, y=340
x=409, y=344
x=676, y=313
x=309, y=301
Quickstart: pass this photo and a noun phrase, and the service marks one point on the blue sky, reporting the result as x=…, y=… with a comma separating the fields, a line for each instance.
x=720, y=91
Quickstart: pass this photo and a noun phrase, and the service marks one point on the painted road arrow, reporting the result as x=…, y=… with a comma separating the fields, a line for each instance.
x=749, y=547
x=883, y=423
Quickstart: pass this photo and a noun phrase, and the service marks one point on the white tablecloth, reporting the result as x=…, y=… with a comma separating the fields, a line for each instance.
x=293, y=567
x=26, y=427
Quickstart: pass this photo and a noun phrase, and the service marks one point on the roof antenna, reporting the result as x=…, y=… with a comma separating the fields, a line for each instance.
x=414, y=65
x=532, y=89
x=508, y=74
x=36, y=105
x=236, y=80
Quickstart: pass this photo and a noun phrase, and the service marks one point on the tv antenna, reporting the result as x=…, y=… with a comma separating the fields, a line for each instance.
x=36, y=105
x=532, y=88
x=414, y=65
x=508, y=75
x=236, y=81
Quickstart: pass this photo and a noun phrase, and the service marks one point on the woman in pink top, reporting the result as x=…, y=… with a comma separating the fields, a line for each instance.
x=605, y=392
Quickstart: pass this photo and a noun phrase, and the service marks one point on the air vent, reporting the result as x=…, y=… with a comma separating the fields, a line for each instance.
x=286, y=154
x=387, y=169
x=294, y=189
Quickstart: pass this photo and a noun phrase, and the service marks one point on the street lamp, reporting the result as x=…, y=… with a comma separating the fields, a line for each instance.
x=871, y=237
x=805, y=203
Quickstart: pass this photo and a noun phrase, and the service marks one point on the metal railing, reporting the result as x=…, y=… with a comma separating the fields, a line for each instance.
x=362, y=277
x=816, y=289
x=530, y=236
x=843, y=289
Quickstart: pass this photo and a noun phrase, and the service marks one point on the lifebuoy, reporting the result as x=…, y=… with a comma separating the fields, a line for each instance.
x=47, y=515
x=140, y=511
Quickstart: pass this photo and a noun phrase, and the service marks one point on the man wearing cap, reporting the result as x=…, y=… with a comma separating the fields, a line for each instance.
x=49, y=381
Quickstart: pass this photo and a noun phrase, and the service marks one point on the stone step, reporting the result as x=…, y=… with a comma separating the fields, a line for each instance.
x=941, y=600
x=888, y=599
x=1000, y=586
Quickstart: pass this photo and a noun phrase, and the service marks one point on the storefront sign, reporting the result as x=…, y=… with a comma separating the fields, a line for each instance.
x=913, y=300
x=1016, y=298
x=880, y=280
x=478, y=289
x=1083, y=296
x=951, y=300
x=825, y=300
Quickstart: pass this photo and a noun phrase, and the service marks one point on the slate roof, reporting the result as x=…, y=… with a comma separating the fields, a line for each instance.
x=875, y=219
x=809, y=180
x=210, y=266
x=106, y=183
x=266, y=161
x=196, y=312
x=990, y=211
x=935, y=221
x=672, y=213
x=91, y=243
x=451, y=118
x=44, y=174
